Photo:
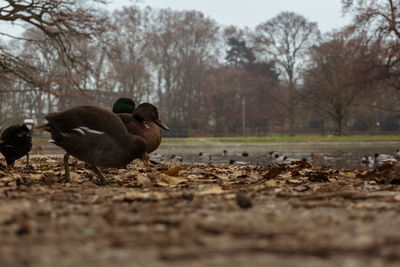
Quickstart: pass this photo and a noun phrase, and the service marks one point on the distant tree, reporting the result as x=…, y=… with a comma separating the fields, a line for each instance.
x=381, y=19
x=61, y=22
x=338, y=77
x=183, y=48
x=128, y=49
x=239, y=53
x=285, y=39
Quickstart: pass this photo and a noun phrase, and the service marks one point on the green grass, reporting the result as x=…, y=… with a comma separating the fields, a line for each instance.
x=307, y=138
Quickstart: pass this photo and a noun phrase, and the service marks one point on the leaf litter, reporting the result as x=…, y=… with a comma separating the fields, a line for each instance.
x=172, y=212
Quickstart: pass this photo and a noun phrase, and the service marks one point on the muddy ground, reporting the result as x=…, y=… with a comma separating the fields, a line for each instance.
x=188, y=214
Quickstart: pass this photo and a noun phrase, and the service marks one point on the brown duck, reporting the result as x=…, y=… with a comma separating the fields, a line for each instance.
x=96, y=136
x=144, y=121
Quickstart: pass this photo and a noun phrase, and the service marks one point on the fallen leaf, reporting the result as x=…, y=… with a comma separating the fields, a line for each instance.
x=135, y=195
x=172, y=180
x=143, y=180
x=272, y=173
x=214, y=190
x=172, y=171
x=35, y=175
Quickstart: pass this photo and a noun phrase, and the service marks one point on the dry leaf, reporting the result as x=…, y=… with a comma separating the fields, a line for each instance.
x=214, y=190
x=272, y=173
x=135, y=195
x=172, y=180
x=397, y=197
x=35, y=175
x=143, y=180
x=173, y=171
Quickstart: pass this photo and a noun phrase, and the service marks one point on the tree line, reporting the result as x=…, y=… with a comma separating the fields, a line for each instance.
x=206, y=79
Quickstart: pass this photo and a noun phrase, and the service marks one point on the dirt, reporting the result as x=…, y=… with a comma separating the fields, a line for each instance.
x=188, y=214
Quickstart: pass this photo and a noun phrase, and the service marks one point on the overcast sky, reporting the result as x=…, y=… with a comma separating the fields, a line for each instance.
x=250, y=13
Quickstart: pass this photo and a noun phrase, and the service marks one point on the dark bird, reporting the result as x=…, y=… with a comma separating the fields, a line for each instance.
x=96, y=136
x=16, y=142
x=176, y=158
x=124, y=105
x=146, y=123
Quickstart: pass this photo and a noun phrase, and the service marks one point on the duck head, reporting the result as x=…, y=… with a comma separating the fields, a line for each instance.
x=148, y=112
x=124, y=105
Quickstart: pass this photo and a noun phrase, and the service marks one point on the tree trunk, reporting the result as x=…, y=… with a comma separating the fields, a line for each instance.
x=291, y=108
x=339, y=122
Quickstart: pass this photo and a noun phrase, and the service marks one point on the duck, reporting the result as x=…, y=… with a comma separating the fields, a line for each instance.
x=236, y=162
x=176, y=158
x=397, y=154
x=288, y=160
x=383, y=158
x=124, y=105
x=272, y=155
x=202, y=155
x=368, y=162
x=145, y=122
x=280, y=159
x=96, y=136
x=16, y=142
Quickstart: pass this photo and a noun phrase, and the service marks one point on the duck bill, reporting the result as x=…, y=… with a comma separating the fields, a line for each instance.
x=162, y=125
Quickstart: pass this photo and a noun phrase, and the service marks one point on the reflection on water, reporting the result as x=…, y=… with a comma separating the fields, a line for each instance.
x=338, y=154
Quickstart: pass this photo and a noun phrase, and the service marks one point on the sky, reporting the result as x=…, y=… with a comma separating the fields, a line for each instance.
x=250, y=13
x=241, y=13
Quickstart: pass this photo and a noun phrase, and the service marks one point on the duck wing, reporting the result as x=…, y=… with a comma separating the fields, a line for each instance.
x=86, y=119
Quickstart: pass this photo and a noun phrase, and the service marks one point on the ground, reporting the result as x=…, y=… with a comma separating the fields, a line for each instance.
x=188, y=214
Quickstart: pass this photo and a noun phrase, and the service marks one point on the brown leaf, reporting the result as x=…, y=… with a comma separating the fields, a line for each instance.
x=214, y=190
x=272, y=173
x=135, y=195
x=173, y=171
x=143, y=180
x=172, y=180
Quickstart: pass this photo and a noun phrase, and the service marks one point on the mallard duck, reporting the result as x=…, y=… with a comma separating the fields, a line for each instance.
x=235, y=162
x=145, y=122
x=16, y=142
x=124, y=105
x=383, y=158
x=368, y=162
x=96, y=136
x=273, y=156
x=287, y=160
x=397, y=154
x=202, y=155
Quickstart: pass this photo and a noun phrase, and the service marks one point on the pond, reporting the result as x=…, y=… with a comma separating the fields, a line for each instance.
x=337, y=154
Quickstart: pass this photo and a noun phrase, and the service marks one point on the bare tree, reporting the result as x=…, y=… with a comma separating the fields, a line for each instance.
x=338, y=77
x=128, y=49
x=285, y=40
x=184, y=48
x=382, y=19
x=61, y=21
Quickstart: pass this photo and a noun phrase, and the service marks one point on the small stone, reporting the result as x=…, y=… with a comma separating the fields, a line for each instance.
x=243, y=200
x=187, y=195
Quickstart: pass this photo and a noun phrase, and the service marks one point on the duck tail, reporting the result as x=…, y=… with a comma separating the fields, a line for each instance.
x=45, y=127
